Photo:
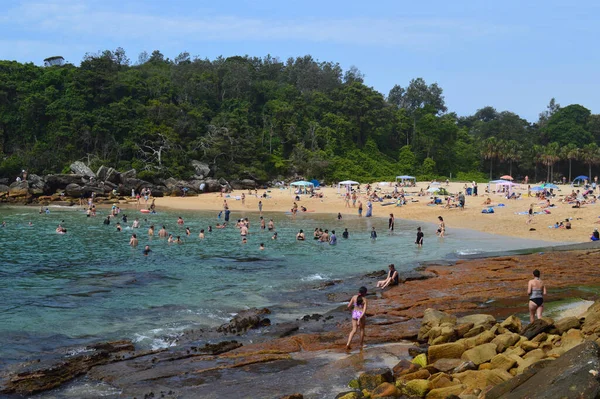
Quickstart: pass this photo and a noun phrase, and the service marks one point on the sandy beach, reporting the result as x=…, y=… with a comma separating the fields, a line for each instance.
x=504, y=221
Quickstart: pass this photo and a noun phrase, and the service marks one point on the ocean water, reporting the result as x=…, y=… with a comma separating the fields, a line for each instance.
x=89, y=284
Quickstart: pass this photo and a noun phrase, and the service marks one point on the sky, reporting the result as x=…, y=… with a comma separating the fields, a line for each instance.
x=511, y=55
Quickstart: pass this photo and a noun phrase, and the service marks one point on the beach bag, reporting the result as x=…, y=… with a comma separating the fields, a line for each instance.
x=488, y=210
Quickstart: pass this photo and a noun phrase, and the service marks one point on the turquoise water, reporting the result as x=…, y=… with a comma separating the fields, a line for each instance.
x=89, y=284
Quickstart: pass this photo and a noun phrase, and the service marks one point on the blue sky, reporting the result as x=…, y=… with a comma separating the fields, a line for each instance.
x=512, y=55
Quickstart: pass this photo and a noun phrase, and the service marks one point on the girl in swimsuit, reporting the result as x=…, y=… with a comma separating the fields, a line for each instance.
x=536, y=291
x=359, y=305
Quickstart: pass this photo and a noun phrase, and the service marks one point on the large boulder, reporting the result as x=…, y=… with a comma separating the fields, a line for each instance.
x=504, y=341
x=371, y=379
x=566, y=324
x=537, y=327
x=573, y=375
x=452, y=350
x=61, y=181
x=246, y=320
x=4, y=188
x=480, y=354
x=244, y=184
x=74, y=190
x=482, y=379
x=485, y=320
x=130, y=174
x=37, y=185
x=18, y=189
x=384, y=390
x=592, y=319
x=79, y=168
x=512, y=323
x=101, y=173
x=201, y=169
x=434, y=318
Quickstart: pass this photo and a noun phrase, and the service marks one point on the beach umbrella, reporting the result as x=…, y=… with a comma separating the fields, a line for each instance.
x=506, y=177
x=537, y=188
x=435, y=183
x=433, y=189
x=582, y=177
x=550, y=185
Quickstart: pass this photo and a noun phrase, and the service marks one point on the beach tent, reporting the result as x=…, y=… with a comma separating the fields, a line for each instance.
x=403, y=178
x=302, y=184
x=580, y=180
x=550, y=185
x=348, y=184
x=433, y=189
x=537, y=188
x=315, y=182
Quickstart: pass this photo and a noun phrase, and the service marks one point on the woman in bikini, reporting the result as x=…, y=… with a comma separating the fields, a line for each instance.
x=358, y=303
x=536, y=291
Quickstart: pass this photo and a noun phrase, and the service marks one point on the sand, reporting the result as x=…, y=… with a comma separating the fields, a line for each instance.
x=504, y=221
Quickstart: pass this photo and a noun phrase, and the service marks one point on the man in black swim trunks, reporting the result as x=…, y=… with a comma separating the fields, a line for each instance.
x=392, y=278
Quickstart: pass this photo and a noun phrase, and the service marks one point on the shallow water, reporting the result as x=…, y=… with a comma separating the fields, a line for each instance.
x=89, y=285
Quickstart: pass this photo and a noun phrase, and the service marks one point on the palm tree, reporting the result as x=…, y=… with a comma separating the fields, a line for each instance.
x=489, y=150
x=549, y=158
x=570, y=152
x=511, y=153
x=590, y=154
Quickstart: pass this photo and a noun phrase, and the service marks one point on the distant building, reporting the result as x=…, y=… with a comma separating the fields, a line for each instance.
x=56, y=60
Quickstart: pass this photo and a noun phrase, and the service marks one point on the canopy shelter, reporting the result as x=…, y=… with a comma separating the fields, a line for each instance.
x=433, y=189
x=315, y=182
x=549, y=186
x=503, y=183
x=302, y=184
x=404, y=178
x=537, y=188
x=348, y=184
x=579, y=180
x=435, y=183
x=506, y=177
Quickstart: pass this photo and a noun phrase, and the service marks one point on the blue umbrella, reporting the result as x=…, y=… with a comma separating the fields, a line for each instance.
x=537, y=188
x=582, y=177
x=550, y=185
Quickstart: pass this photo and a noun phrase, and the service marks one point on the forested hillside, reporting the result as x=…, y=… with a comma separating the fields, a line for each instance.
x=263, y=118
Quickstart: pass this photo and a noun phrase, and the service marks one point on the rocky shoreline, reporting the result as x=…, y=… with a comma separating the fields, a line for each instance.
x=249, y=345
x=109, y=184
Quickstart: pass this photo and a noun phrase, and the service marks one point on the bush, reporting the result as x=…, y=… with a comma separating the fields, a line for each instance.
x=478, y=177
x=11, y=167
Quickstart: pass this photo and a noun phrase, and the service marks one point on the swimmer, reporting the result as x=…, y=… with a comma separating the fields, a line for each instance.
x=107, y=221
x=151, y=231
x=536, y=289
x=324, y=237
x=262, y=246
x=3, y=223
x=345, y=234
x=300, y=236
x=391, y=279
x=146, y=250
x=358, y=303
x=244, y=240
x=271, y=225
x=124, y=218
x=332, y=238
x=188, y=232
x=119, y=226
x=262, y=223
x=180, y=221
x=136, y=223
x=339, y=216
x=244, y=230
x=201, y=235
x=162, y=233
x=133, y=241
x=178, y=240
x=170, y=239
x=210, y=229
x=274, y=236
x=220, y=226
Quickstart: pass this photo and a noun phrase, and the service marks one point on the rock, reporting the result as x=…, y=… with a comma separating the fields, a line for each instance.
x=88, y=189
x=373, y=378
x=536, y=354
x=462, y=329
x=114, y=176
x=474, y=331
x=591, y=324
x=453, y=350
x=512, y=323
x=484, y=320
x=37, y=185
x=483, y=378
x=569, y=340
x=540, y=338
x=245, y=184
x=3, y=188
x=434, y=318
x=442, y=380
x=502, y=362
x=244, y=321
x=529, y=345
x=18, y=189
x=420, y=360
x=480, y=354
x=535, y=328
x=293, y=396
x=415, y=351
x=417, y=388
x=130, y=174
x=74, y=190
x=518, y=351
x=384, y=390
x=464, y=367
x=60, y=182
x=101, y=173
x=404, y=367
x=566, y=377
x=480, y=339
x=566, y=324
x=350, y=395
x=421, y=374
x=503, y=341
x=35, y=377
x=443, y=393
x=79, y=168
x=447, y=365
x=200, y=168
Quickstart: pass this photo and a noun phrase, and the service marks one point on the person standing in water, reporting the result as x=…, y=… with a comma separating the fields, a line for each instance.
x=373, y=234
x=345, y=234
x=133, y=241
x=332, y=238
x=536, y=289
x=358, y=303
x=260, y=207
x=391, y=223
x=441, y=227
x=420, y=236
x=360, y=208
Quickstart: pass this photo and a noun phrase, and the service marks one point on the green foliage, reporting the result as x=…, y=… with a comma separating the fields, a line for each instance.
x=406, y=160
x=479, y=177
x=11, y=167
x=427, y=169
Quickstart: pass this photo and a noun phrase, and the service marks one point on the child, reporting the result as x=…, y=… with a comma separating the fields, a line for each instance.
x=359, y=305
x=420, y=236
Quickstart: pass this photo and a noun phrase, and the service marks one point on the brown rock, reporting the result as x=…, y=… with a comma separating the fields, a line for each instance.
x=566, y=324
x=474, y=331
x=537, y=327
x=293, y=396
x=480, y=354
x=384, y=390
x=536, y=354
x=443, y=393
x=515, y=351
x=591, y=323
x=484, y=366
x=483, y=378
x=464, y=367
x=503, y=341
x=480, y=339
x=442, y=380
x=502, y=362
x=373, y=378
x=404, y=367
x=512, y=323
x=434, y=318
x=529, y=345
x=540, y=338
x=569, y=340
x=418, y=388
x=446, y=365
x=478, y=320
x=452, y=350
x=417, y=375
x=462, y=329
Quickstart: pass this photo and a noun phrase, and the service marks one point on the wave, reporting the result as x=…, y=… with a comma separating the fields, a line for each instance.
x=314, y=277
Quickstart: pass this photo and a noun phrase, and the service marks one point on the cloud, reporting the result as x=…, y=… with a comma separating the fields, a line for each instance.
x=77, y=20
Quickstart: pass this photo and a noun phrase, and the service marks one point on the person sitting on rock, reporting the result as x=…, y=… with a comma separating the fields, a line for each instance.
x=391, y=279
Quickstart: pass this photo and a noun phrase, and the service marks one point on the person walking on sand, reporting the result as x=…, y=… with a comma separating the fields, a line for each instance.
x=536, y=289
x=420, y=236
x=530, y=215
x=358, y=303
